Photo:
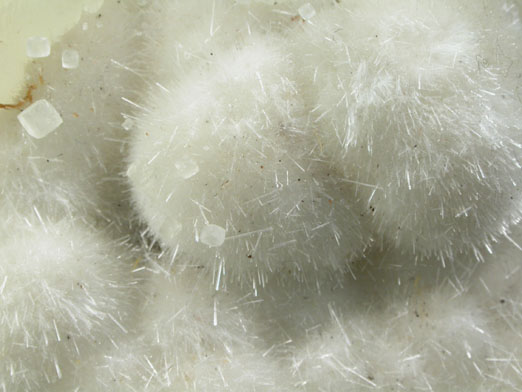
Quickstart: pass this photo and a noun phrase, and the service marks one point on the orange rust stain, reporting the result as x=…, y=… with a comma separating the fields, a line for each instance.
x=28, y=98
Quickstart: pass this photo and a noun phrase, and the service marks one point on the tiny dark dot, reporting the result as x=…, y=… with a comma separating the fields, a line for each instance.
x=502, y=301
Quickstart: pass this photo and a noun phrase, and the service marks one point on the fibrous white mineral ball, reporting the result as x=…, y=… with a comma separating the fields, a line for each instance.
x=190, y=337
x=65, y=290
x=419, y=103
x=225, y=165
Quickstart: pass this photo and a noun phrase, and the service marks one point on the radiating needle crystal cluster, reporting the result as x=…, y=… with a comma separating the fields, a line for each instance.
x=308, y=138
x=254, y=195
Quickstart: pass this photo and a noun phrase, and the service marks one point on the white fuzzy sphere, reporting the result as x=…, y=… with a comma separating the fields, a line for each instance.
x=201, y=339
x=419, y=102
x=436, y=340
x=225, y=166
x=65, y=292
x=189, y=338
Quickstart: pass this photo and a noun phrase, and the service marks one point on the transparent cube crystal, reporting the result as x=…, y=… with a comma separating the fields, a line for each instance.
x=213, y=235
x=128, y=124
x=306, y=11
x=187, y=167
x=38, y=47
x=40, y=119
x=70, y=59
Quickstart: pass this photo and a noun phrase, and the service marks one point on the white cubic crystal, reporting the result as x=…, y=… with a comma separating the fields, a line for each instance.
x=40, y=119
x=70, y=59
x=85, y=26
x=38, y=47
x=127, y=124
x=212, y=235
x=187, y=167
x=306, y=11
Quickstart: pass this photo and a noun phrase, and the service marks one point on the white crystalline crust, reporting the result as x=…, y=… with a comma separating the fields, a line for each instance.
x=245, y=197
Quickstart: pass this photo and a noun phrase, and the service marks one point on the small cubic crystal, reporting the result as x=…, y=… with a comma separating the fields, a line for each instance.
x=306, y=11
x=213, y=235
x=187, y=167
x=40, y=119
x=127, y=124
x=38, y=47
x=70, y=59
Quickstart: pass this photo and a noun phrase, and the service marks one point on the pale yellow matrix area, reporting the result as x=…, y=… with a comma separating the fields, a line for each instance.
x=20, y=19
